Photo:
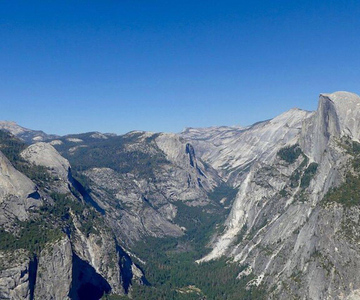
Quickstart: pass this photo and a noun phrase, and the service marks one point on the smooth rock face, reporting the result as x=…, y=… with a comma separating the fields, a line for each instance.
x=12, y=181
x=54, y=271
x=15, y=189
x=186, y=168
x=241, y=157
x=44, y=154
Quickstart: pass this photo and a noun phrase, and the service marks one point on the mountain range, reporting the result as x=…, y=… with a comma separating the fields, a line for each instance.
x=268, y=211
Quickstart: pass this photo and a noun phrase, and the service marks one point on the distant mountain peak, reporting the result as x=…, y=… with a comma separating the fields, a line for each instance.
x=12, y=127
x=27, y=135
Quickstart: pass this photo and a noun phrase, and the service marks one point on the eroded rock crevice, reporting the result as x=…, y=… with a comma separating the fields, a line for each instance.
x=87, y=284
x=33, y=267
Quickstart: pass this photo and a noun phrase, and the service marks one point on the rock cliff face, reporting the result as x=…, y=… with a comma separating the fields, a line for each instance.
x=338, y=114
x=14, y=275
x=54, y=271
x=16, y=192
x=282, y=225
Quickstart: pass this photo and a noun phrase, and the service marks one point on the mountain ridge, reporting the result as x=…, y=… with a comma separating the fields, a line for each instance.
x=274, y=204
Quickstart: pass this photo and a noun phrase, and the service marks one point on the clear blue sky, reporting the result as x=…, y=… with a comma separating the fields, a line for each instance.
x=115, y=66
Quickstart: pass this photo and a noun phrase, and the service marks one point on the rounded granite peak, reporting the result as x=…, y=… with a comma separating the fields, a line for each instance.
x=347, y=104
x=44, y=154
x=342, y=96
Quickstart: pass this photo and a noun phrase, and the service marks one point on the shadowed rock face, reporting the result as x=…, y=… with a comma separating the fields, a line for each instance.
x=87, y=284
x=318, y=130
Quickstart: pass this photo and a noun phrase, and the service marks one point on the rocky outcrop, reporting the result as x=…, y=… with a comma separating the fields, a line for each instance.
x=99, y=250
x=14, y=275
x=186, y=167
x=45, y=155
x=16, y=192
x=338, y=114
x=77, y=268
x=54, y=271
x=129, y=212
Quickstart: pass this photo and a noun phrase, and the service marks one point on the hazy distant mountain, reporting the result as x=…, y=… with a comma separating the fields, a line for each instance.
x=27, y=135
